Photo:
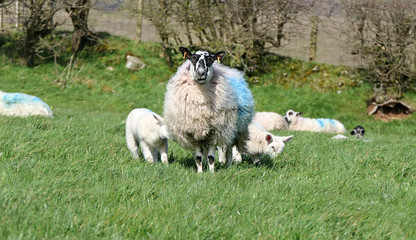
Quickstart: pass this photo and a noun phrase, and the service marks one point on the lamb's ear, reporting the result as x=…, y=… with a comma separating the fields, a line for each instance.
x=352, y=132
x=185, y=52
x=219, y=56
x=362, y=131
x=299, y=114
x=269, y=138
x=160, y=121
x=286, y=139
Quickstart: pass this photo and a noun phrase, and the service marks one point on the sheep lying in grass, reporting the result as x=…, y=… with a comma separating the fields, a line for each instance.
x=259, y=142
x=147, y=128
x=207, y=105
x=22, y=105
x=299, y=123
x=271, y=121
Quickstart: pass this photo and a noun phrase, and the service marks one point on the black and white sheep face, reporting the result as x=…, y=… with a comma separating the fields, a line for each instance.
x=358, y=132
x=290, y=115
x=275, y=145
x=201, y=68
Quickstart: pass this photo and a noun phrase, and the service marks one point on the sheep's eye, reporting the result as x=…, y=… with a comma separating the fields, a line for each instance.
x=210, y=61
x=273, y=148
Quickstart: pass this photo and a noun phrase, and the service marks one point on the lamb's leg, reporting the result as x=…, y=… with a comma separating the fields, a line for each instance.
x=237, y=155
x=163, y=149
x=147, y=152
x=132, y=144
x=256, y=159
x=222, y=154
x=211, y=158
x=198, y=159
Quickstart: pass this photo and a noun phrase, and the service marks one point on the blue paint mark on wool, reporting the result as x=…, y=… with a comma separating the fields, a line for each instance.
x=245, y=102
x=324, y=121
x=10, y=99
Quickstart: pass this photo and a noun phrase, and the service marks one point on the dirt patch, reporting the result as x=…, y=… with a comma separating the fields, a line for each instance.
x=389, y=110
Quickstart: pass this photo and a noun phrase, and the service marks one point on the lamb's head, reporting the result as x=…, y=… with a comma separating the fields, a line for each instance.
x=358, y=132
x=201, y=67
x=290, y=115
x=275, y=144
x=161, y=122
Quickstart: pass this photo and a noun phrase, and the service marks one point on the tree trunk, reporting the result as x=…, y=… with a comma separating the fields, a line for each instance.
x=79, y=16
x=139, y=21
x=314, y=38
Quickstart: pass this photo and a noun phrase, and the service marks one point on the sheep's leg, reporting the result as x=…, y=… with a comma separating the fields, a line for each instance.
x=132, y=144
x=211, y=158
x=222, y=154
x=229, y=155
x=148, y=152
x=163, y=149
x=198, y=159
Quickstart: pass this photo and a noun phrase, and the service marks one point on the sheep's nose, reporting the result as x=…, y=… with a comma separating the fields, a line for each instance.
x=201, y=71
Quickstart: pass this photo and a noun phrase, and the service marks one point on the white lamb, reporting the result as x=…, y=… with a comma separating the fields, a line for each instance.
x=22, y=105
x=147, y=128
x=207, y=105
x=299, y=123
x=271, y=121
x=259, y=142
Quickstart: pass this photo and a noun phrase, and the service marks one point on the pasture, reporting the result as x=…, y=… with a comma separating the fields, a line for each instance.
x=73, y=177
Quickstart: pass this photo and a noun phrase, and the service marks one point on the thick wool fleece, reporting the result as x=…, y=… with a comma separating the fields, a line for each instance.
x=316, y=125
x=22, y=105
x=209, y=114
x=271, y=121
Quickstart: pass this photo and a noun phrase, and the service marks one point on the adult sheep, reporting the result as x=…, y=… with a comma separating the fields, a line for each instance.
x=299, y=123
x=23, y=105
x=207, y=105
x=271, y=121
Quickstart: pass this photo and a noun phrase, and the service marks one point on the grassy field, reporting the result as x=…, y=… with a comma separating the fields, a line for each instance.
x=72, y=176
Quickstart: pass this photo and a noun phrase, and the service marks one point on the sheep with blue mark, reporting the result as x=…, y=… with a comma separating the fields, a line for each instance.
x=298, y=123
x=23, y=105
x=207, y=105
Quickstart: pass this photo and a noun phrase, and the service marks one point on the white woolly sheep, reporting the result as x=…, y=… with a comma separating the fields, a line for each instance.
x=271, y=121
x=259, y=142
x=147, y=128
x=22, y=105
x=299, y=123
x=207, y=105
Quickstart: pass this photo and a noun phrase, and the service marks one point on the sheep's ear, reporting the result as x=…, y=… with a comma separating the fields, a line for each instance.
x=160, y=121
x=299, y=114
x=185, y=52
x=286, y=139
x=362, y=131
x=352, y=132
x=219, y=55
x=269, y=138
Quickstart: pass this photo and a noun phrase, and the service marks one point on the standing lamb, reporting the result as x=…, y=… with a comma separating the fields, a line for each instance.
x=207, y=105
x=299, y=123
x=147, y=128
x=22, y=105
x=259, y=142
x=271, y=121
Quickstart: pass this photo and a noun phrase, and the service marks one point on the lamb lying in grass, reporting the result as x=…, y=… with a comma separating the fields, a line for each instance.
x=259, y=142
x=22, y=105
x=299, y=123
x=271, y=121
x=148, y=129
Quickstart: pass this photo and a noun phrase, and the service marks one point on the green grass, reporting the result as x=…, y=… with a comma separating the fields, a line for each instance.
x=73, y=177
